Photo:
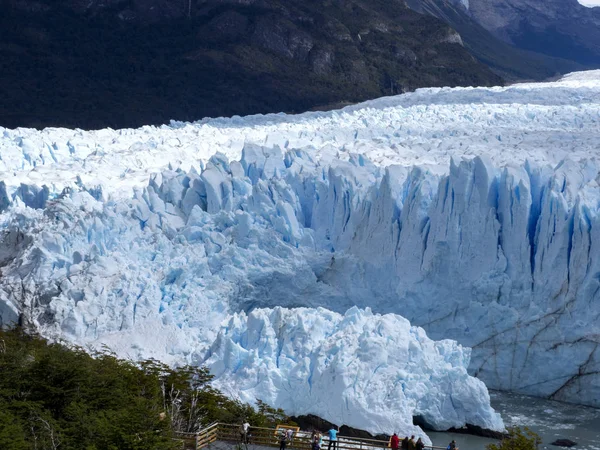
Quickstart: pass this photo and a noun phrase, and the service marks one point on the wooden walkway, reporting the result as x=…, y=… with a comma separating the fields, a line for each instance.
x=219, y=434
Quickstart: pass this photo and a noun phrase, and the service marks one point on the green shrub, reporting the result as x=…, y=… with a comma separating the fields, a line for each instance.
x=517, y=439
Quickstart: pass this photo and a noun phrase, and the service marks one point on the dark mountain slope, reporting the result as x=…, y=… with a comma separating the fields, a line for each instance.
x=560, y=28
x=128, y=63
x=511, y=62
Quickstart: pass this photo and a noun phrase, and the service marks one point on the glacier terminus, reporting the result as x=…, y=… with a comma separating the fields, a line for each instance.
x=367, y=265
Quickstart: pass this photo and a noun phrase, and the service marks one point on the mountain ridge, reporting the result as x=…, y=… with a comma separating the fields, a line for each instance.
x=130, y=63
x=506, y=59
x=511, y=35
x=560, y=28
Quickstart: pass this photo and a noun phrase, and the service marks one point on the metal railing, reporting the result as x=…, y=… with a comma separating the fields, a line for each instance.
x=270, y=437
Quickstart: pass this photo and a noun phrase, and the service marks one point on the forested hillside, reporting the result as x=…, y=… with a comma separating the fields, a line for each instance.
x=52, y=396
x=126, y=64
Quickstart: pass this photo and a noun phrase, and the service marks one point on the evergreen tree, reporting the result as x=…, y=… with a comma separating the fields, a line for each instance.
x=56, y=397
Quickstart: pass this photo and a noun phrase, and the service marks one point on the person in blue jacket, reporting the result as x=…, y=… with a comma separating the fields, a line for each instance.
x=332, y=437
x=452, y=445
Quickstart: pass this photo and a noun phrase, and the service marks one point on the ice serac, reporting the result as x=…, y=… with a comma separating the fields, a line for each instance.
x=473, y=213
x=361, y=369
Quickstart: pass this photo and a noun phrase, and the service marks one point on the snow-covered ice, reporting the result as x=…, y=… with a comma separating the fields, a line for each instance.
x=471, y=212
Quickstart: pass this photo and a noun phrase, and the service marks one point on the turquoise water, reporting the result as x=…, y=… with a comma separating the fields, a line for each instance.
x=551, y=420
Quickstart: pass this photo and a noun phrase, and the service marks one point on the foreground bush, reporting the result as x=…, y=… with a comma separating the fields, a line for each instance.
x=55, y=397
x=517, y=439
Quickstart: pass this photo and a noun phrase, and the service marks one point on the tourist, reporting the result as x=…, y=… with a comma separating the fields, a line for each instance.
x=244, y=428
x=411, y=443
x=394, y=442
x=289, y=435
x=452, y=445
x=317, y=441
x=419, y=445
x=332, y=438
x=405, y=443
x=283, y=439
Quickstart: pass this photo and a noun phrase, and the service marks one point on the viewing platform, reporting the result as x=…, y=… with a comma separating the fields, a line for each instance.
x=221, y=436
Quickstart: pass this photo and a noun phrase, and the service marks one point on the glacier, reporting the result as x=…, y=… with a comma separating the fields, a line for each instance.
x=471, y=212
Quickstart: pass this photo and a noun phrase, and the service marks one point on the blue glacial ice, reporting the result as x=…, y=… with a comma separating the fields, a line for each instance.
x=473, y=213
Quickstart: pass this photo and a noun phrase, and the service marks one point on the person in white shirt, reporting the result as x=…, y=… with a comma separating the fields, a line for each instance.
x=244, y=432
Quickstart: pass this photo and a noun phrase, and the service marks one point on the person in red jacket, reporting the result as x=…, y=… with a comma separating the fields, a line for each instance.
x=394, y=442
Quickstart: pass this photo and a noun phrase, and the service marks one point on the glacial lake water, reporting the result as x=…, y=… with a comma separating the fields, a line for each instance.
x=551, y=420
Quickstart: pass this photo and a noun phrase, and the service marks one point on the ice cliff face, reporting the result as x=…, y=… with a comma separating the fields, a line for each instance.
x=154, y=276
x=471, y=212
x=359, y=367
